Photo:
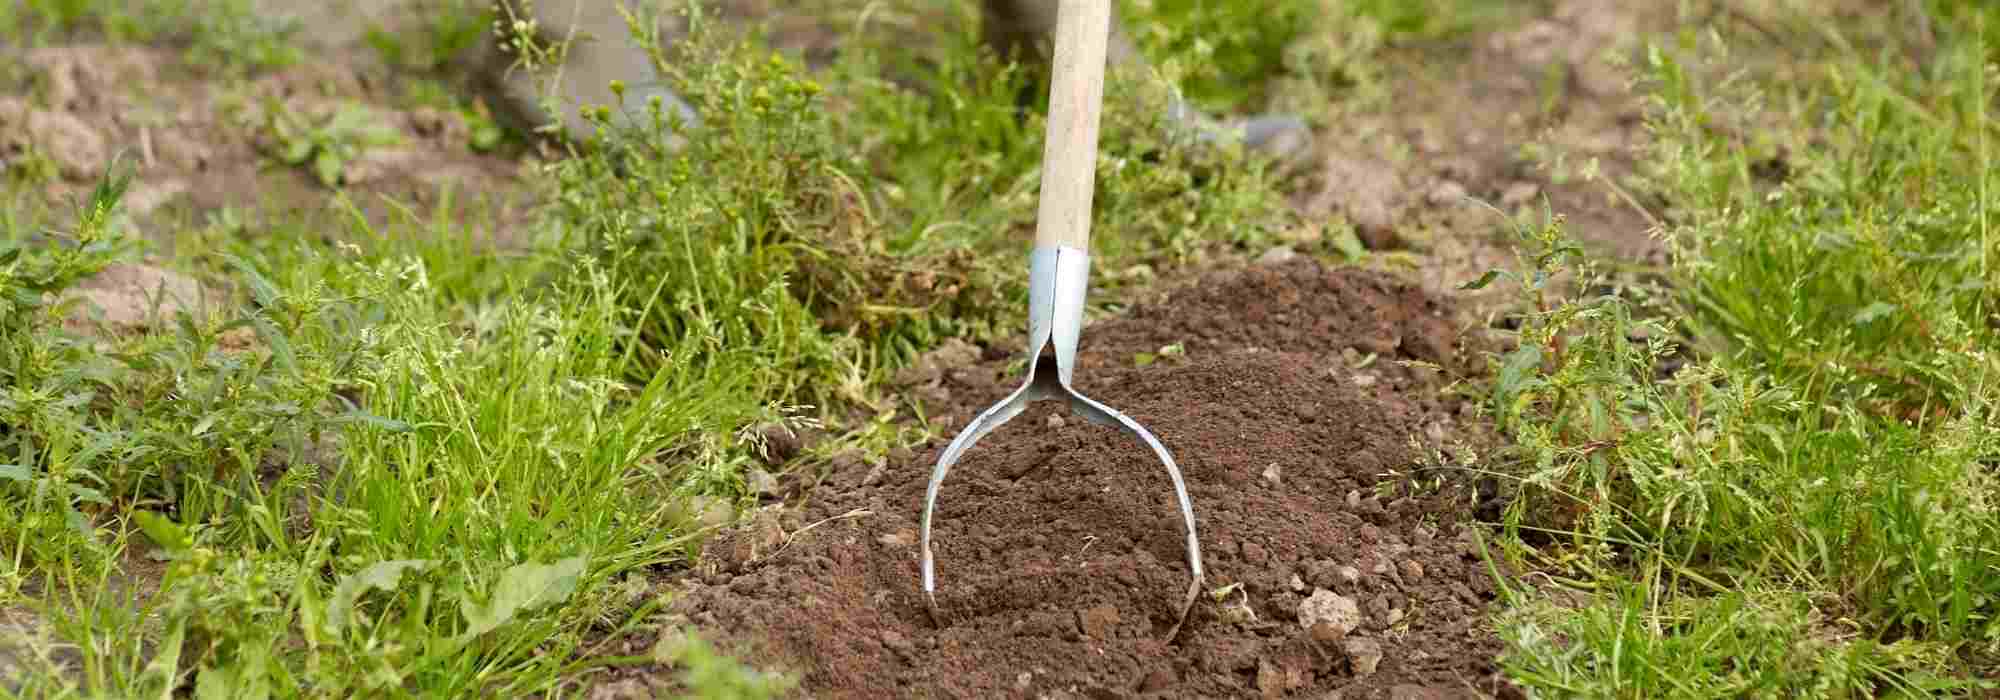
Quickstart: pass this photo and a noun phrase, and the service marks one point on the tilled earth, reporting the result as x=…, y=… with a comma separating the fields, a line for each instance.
x=1339, y=559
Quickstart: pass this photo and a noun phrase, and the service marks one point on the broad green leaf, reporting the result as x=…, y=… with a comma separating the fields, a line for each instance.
x=327, y=167
x=1349, y=245
x=16, y=472
x=162, y=530
x=87, y=494
x=164, y=668
x=295, y=152
x=384, y=575
x=523, y=587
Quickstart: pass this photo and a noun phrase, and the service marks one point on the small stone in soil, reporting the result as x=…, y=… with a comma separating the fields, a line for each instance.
x=762, y=482
x=1272, y=476
x=1365, y=654
x=1413, y=569
x=1328, y=607
x=1270, y=680
x=1277, y=255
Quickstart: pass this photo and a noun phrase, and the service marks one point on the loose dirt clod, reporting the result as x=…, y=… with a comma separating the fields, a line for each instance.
x=1065, y=546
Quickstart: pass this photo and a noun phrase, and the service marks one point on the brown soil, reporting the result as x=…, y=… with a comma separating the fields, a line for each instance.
x=199, y=143
x=1060, y=547
x=1508, y=118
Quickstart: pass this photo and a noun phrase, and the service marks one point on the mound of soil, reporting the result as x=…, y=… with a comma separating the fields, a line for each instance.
x=1059, y=544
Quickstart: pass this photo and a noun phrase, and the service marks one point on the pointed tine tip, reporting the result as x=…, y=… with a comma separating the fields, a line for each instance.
x=1187, y=606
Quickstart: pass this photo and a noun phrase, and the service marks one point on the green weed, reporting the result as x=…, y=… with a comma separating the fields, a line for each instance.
x=1827, y=460
x=444, y=33
x=323, y=144
x=708, y=675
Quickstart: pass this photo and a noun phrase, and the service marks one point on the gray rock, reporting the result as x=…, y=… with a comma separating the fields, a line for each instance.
x=1342, y=613
x=1364, y=654
x=1277, y=255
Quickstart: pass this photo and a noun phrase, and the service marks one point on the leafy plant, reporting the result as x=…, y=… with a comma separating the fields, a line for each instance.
x=328, y=144
x=709, y=675
x=51, y=457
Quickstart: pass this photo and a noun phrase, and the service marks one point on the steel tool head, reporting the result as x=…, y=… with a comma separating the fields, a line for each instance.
x=1058, y=278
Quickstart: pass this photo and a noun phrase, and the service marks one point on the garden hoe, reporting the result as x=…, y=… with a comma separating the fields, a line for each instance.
x=1059, y=273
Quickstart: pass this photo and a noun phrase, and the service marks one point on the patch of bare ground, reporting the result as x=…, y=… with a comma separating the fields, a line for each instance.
x=1341, y=552
x=201, y=143
x=1513, y=118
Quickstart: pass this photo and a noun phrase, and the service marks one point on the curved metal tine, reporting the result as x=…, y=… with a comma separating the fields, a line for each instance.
x=993, y=417
x=1099, y=413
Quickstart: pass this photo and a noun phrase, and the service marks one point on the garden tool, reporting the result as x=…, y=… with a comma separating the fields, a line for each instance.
x=1059, y=274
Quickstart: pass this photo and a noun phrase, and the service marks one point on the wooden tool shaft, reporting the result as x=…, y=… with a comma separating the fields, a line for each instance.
x=1076, y=101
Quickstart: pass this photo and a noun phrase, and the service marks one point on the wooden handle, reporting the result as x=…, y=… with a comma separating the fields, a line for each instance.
x=1076, y=100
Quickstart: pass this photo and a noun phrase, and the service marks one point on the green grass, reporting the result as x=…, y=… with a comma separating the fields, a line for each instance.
x=385, y=467
x=1809, y=509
